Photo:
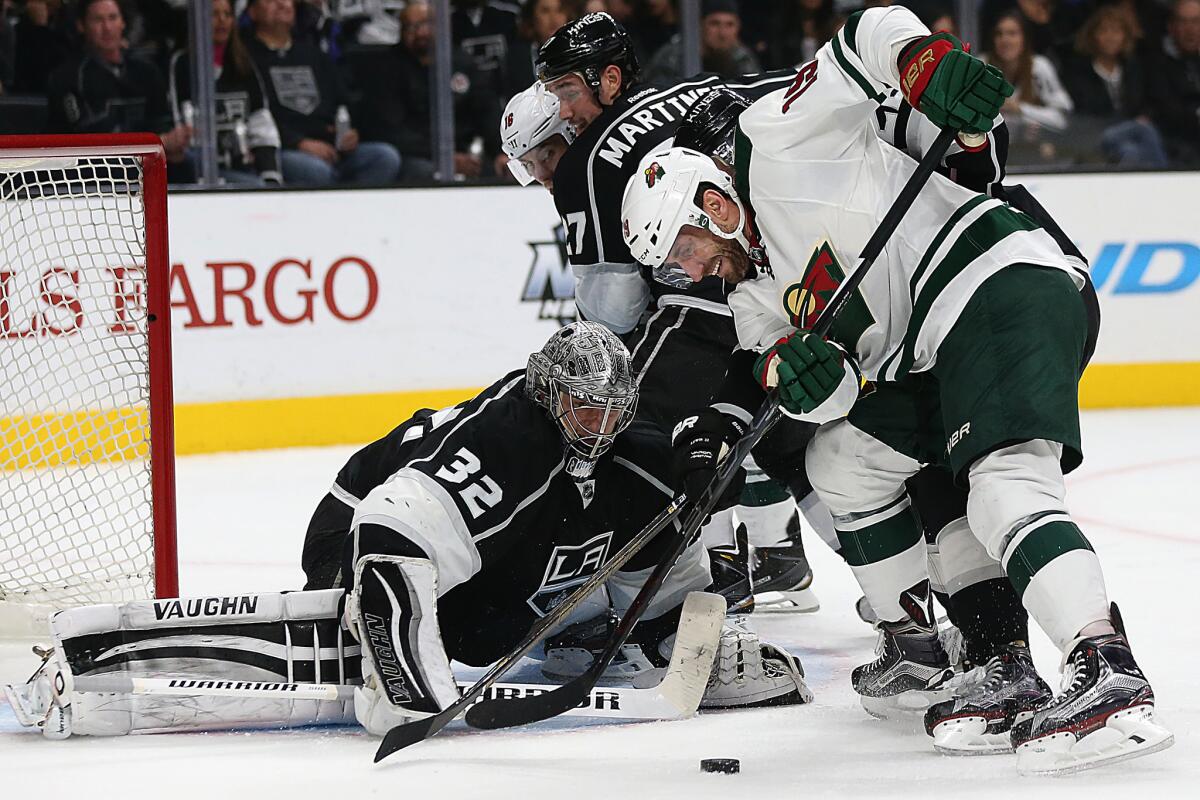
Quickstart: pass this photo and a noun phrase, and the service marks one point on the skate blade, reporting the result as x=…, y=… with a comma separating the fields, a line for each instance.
x=968, y=736
x=907, y=706
x=801, y=602
x=1131, y=733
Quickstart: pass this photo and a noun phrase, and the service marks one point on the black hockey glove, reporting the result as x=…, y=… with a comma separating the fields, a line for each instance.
x=701, y=442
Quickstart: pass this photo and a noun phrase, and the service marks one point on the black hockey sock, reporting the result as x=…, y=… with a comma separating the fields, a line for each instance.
x=989, y=614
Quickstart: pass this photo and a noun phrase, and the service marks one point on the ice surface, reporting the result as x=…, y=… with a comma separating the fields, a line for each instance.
x=241, y=522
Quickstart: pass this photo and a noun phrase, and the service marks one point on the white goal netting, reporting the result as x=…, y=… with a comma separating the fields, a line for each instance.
x=76, y=496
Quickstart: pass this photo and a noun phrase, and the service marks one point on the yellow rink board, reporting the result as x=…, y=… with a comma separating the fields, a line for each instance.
x=316, y=421
x=86, y=437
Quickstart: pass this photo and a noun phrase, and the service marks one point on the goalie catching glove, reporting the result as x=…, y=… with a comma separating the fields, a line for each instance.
x=953, y=88
x=816, y=381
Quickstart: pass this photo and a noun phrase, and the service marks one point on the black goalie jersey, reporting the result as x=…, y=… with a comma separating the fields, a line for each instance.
x=481, y=490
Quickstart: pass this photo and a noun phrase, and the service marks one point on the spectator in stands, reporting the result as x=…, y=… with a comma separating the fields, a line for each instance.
x=798, y=29
x=305, y=93
x=8, y=48
x=484, y=29
x=247, y=138
x=721, y=51
x=315, y=24
x=652, y=25
x=45, y=38
x=105, y=89
x=396, y=104
x=1106, y=81
x=1040, y=101
x=539, y=19
x=1173, y=85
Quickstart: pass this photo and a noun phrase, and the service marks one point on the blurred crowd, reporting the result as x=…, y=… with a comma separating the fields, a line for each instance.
x=318, y=92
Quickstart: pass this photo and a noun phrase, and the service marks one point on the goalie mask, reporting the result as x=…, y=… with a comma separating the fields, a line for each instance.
x=582, y=378
x=530, y=121
x=662, y=197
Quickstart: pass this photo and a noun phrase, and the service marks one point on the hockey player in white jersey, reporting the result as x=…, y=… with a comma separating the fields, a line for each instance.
x=969, y=328
x=534, y=137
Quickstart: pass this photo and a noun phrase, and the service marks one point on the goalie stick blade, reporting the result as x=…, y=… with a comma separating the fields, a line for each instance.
x=403, y=736
x=678, y=695
x=494, y=714
x=696, y=643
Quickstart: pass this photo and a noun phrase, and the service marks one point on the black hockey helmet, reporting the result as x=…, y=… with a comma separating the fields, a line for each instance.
x=709, y=125
x=586, y=46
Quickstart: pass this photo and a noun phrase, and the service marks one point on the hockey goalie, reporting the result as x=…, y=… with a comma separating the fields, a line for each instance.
x=444, y=541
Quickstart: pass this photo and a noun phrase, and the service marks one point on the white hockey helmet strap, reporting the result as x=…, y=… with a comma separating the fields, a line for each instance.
x=660, y=199
x=529, y=120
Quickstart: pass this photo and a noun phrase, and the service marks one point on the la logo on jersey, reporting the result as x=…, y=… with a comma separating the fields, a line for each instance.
x=803, y=302
x=568, y=567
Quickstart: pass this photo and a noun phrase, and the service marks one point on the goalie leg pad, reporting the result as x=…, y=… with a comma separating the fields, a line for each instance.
x=750, y=673
x=393, y=613
x=274, y=637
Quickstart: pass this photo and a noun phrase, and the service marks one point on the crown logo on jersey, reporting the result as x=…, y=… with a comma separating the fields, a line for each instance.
x=653, y=173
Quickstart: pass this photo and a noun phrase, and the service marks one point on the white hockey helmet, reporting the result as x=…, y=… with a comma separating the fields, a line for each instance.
x=661, y=198
x=529, y=119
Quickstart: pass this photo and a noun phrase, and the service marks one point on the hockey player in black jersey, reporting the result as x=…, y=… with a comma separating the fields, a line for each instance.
x=680, y=336
x=454, y=534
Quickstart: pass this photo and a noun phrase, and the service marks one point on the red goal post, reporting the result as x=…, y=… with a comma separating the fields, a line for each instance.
x=87, y=489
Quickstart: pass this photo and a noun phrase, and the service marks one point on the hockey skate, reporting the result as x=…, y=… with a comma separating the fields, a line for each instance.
x=986, y=702
x=1104, y=715
x=732, y=573
x=911, y=671
x=571, y=652
x=782, y=575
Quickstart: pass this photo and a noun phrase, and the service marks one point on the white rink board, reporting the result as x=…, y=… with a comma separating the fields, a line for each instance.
x=452, y=265
x=1141, y=234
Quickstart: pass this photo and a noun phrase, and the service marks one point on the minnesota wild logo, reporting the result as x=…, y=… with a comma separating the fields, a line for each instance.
x=803, y=302
x=653, y=173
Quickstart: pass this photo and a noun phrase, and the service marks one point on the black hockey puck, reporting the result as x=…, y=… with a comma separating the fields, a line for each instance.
x=725, y=766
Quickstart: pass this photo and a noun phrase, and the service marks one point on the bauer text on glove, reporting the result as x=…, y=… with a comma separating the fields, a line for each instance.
x=950, y=86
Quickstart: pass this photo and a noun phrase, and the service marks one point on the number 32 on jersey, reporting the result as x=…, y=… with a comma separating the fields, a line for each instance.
x=479, y=494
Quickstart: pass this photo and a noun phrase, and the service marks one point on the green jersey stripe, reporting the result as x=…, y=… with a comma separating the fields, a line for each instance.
x=853, y=71
x=979, y=237
x=942, y=233
x=850, y=31
x=742, y=149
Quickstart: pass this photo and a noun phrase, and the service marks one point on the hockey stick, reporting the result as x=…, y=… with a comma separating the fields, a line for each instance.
x=410, y=733
x=507, y=713
x=498, y=713
x=608, y=702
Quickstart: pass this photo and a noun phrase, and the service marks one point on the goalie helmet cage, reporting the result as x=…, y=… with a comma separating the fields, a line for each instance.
x=87, y=488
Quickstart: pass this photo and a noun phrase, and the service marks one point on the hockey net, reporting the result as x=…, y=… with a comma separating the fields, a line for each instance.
x=86, y=461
